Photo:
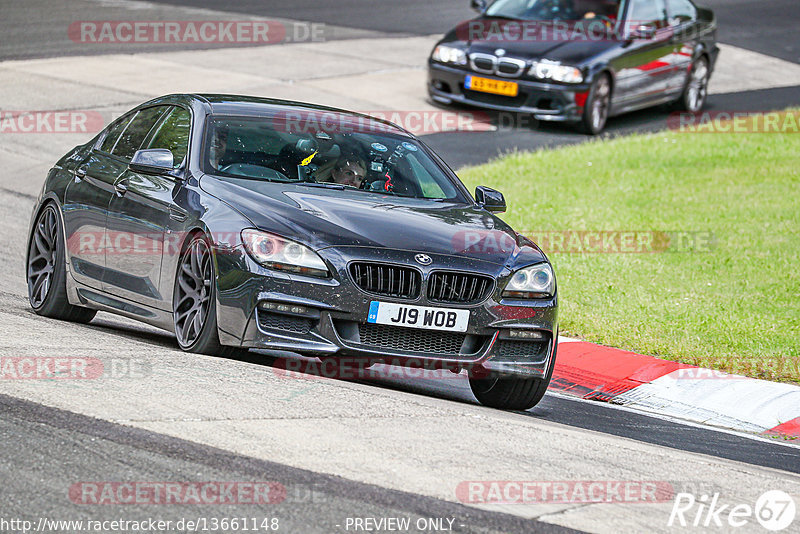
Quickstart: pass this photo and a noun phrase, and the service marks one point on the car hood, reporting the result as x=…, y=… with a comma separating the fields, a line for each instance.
x=487, y=35
x=323, y=218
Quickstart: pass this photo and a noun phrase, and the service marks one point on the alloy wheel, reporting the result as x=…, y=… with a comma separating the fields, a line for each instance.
x=698, y=86
x=42, y=256
x=193, y=292
x=600, y=103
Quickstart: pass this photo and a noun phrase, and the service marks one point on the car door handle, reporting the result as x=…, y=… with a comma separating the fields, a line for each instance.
x=121, y=188
x=176, y=215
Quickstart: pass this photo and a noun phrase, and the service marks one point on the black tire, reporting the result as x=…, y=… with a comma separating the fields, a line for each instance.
x=194, y=301
x=695, y=93
x=598, y=104
x=46, y=270
x=512, y=393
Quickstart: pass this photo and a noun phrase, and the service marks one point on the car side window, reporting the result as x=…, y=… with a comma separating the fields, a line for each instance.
x=136, y=132
x=173, y=134
x=648, y=13
x=680, y=12
x=113, y=134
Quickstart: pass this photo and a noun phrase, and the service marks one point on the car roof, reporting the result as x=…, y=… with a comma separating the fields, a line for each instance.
x=225, y=104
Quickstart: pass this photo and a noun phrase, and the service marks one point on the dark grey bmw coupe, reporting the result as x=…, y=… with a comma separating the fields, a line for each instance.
x=240, y=222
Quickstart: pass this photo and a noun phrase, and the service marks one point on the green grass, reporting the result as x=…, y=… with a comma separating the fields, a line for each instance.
x=736, y=307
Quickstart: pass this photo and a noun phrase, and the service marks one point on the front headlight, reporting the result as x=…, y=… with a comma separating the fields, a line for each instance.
x=532, y=282
x=449, y=54
x=553, y=70
x=282, y=254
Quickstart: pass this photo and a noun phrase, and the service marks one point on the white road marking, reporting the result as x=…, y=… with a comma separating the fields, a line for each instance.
x=717, y=399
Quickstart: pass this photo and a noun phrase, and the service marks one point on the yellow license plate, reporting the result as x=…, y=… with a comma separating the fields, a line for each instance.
x=487, y=85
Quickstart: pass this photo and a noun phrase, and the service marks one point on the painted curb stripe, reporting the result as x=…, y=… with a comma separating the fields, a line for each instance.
x=677, y=390
x=790, y=428
x=601, y=373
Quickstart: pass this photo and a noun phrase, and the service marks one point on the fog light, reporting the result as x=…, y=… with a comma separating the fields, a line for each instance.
x=283, y=308
x=525, y=334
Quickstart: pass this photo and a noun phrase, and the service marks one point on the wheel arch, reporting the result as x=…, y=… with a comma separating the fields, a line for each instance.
x=48, y=199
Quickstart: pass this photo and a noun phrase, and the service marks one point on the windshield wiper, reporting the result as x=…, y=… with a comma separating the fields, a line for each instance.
x=328, y=185
x=342, y=187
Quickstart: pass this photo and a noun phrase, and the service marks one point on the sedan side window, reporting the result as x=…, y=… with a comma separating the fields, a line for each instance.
x=173, y=134
x=113, y=134
x=136, y=132
x=648, y=13
x=681, y=11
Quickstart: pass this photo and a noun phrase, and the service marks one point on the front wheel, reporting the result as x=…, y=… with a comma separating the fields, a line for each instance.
x=511, y=393
x=194, y=301
x=694, y=94
x=598, y=104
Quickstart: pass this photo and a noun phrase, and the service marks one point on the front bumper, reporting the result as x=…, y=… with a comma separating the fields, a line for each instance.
x=260, y=308
x=545, y=101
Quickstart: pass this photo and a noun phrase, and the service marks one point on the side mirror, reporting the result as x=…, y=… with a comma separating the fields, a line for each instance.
x=478, y=5
x=489, y=199
x=152, y=161
x=645, y=31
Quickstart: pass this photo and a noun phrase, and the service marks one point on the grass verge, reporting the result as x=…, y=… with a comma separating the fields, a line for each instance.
x=731, y=303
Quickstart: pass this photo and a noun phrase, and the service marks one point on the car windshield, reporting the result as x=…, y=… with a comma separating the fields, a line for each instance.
x=324, y=149
x=551, y=10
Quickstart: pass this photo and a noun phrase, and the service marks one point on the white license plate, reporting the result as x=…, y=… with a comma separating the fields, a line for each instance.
x=394, y=314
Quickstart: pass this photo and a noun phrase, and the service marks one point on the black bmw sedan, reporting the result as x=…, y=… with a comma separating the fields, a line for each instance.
x=240, y=222
x=580, y=61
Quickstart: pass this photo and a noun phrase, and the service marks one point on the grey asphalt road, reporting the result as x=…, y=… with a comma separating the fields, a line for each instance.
x=769, y=27
x=765, y=27
x=473, y=148
x=47, y=452
x=601, y=417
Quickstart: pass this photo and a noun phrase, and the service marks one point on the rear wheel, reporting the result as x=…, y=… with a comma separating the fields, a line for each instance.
x=598, y=104
x=47, y=271
x=511, y=393
x=194, y=301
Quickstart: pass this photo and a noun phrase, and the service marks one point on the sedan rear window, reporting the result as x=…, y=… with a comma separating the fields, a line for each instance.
x=323, y=149
x=113, y=134
x=136, y=132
